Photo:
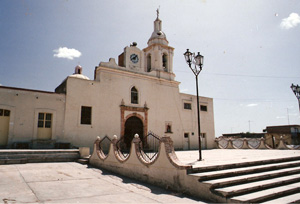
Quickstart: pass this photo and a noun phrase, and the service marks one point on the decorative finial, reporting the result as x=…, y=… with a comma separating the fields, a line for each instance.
x=157, y=12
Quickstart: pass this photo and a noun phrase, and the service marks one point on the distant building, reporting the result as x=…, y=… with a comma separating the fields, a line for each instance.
x=137, y=95
x=272, y=134
x=243, y=135
x=290, y=134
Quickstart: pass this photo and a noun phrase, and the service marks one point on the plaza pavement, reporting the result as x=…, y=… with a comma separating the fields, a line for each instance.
x=229, y=156
x=76, y=183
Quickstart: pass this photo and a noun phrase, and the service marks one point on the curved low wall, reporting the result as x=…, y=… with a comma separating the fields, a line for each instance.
x=251, y=143
x=164, y=170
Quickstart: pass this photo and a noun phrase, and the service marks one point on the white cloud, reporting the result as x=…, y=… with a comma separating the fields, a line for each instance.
x=64, y=52
x=280, y=117
x=252, y=104
x=292, y=21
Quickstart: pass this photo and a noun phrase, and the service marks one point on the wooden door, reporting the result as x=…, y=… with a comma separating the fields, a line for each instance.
x=4, y=126
x=44, y=126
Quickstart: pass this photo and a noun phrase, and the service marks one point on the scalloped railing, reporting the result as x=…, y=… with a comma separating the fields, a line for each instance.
x=252, y=143
x=154, y=163
x=149, y=147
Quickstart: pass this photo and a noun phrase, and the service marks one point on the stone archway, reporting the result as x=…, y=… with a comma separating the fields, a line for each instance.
x=133, y=125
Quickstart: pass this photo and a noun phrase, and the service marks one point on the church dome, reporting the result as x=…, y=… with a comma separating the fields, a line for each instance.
x=78, y=73
x=79, y=76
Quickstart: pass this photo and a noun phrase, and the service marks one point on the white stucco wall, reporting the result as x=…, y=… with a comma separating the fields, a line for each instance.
x=164, y=102
x=24, y=106
x=190, y=121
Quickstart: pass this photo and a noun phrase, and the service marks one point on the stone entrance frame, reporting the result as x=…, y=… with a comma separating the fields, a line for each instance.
x=134, y=112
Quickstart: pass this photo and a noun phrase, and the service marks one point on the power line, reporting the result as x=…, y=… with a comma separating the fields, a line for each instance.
x=245, y=75
x=260, y=76
x=253, y=100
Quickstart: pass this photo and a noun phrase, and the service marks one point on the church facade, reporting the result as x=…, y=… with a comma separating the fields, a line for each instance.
x=137, y=94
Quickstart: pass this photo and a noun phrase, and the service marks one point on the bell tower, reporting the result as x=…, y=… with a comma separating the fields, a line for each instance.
x=158, y=54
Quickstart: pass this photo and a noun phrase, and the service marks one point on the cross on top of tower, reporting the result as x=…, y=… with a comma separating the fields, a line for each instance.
x=157, y=12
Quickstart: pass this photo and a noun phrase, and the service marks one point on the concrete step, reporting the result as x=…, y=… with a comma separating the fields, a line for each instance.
x=13, y=161
x=240, y=165
x=31, y=156
x=204, y=176
x=268, y=194
x=34, y=151
x=252, y=182
x=229, y=181
x=257, y=186
x=294, y=198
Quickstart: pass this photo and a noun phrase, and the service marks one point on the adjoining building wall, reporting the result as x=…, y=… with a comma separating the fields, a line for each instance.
x=290, y=134
x=24, y=106
x=190, y=122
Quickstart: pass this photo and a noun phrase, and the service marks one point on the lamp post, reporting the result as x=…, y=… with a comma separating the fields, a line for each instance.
x=197, y=61
x=296, y=90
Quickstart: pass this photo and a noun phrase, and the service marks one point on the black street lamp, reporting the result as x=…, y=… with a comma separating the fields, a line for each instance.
x=296, y=90
x=190, y=59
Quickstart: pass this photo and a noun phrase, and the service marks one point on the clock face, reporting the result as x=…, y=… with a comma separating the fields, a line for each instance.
x=134, y=58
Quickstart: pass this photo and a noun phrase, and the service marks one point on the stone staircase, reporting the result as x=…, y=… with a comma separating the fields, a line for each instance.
x=270, y=181
x=33, y=156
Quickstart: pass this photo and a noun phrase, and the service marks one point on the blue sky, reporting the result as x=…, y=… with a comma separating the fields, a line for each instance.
x=251, y=49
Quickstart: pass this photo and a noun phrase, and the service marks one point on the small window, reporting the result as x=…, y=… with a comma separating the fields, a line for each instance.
x=48, y=116
x=187, y=106
x=203, y=108
x=134, y=96
x=6, y=112
x=186, y=135
x=44, y=120
x=41, y=120
x=40, y=123
x=168, y=128
x=48, y=124
x=41, y=116
x=86, y=115
x=1, y=112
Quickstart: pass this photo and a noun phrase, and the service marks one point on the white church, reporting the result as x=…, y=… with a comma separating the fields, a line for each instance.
x=137, y=94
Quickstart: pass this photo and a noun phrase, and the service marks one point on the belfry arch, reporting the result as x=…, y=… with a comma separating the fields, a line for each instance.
x=165, y=62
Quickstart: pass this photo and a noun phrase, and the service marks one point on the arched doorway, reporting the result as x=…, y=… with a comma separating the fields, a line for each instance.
x=133, y=125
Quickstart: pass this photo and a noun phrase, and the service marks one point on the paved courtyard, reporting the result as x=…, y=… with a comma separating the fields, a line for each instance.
x=77, y=183
x=230, y=156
